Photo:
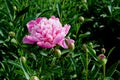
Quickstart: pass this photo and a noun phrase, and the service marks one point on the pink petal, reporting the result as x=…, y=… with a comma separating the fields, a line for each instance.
x=69, y=41
x=63, y=44
x=45, y=45
x=38, y=20
x=29, y=40
x=58, y=38
x=40, y=43
x=66, y=28
x=53, y=17
x=30, y=25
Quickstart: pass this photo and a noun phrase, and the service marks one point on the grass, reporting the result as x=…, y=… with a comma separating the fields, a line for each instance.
x=23, y=62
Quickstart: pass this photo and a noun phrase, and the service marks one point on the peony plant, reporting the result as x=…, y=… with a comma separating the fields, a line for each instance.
x=47, y=33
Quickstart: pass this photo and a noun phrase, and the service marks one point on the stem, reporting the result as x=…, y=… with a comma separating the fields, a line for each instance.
x=77, y=32
x=104, y=69
x=86, y=65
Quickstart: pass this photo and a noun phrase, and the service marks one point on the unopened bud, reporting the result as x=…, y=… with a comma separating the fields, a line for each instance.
x=12, y=34
x=102, y=59
x=103, y=50
x=81, y=18
x=10, y=23
x=23, y=59
x=91, y=44
x=15, y=8
x=74, y=76
x=85, y=48
x=71, y=46
x=34, y=78
x=84, y=1
x=13, y=40
x=57, y=53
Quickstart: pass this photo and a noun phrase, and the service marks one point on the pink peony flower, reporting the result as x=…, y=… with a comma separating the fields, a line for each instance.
x=47, y=33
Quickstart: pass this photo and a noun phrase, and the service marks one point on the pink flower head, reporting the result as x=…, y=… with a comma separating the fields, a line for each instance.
x=47, y=33
x=101, y=56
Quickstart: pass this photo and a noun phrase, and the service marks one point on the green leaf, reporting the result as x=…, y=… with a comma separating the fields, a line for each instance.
x=43, y=53
x=34, y=56
x=94, y=71
x=25, y=70
x=10, y=9
x=110, y=9
x=17, y=4
x=92, y=52
x=20, y=13
x=112, y=69
x=19, y=34
x=2, y=65
x=3, y=13
x=73, y=63
x=82, y=56
x=83, y=35
x=13, y=63
x=110, y=51
x=14, y=55
x=19, y=72
x=58, y=9
x=1, y=42
x=43, y=12
x=109, y=78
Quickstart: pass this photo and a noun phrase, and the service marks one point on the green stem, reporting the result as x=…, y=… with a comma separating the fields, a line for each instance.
x=86, y=65
x=104, y=69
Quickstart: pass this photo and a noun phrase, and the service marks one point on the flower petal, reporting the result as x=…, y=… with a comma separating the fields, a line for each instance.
x=69, y=41
x=40, y=43
x=66, y=28
x=30, y=25
x=48, y=45
x=38, y=20
x=53, y=17
x=45, y=44
x=58, y=38
x=63, y=44
x=29, y=40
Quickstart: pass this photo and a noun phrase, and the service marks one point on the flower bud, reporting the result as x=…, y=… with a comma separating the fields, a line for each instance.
x=81, y=18
x=23, y=59
x=34, y=78
x=74, y=76
x=91, y=44
x=57, y=53
x=102, y=59
x=84, y=1
x=11, y=24
x=71, y=46
x=15, y=8
x=11, y=34
x=13, y=40
x=103, y=50
x=85, y=48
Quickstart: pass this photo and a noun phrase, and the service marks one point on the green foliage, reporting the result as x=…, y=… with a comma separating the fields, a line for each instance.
x=71, y=65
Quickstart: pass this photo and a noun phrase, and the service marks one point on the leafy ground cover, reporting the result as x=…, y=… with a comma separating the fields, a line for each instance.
x=95, y=28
